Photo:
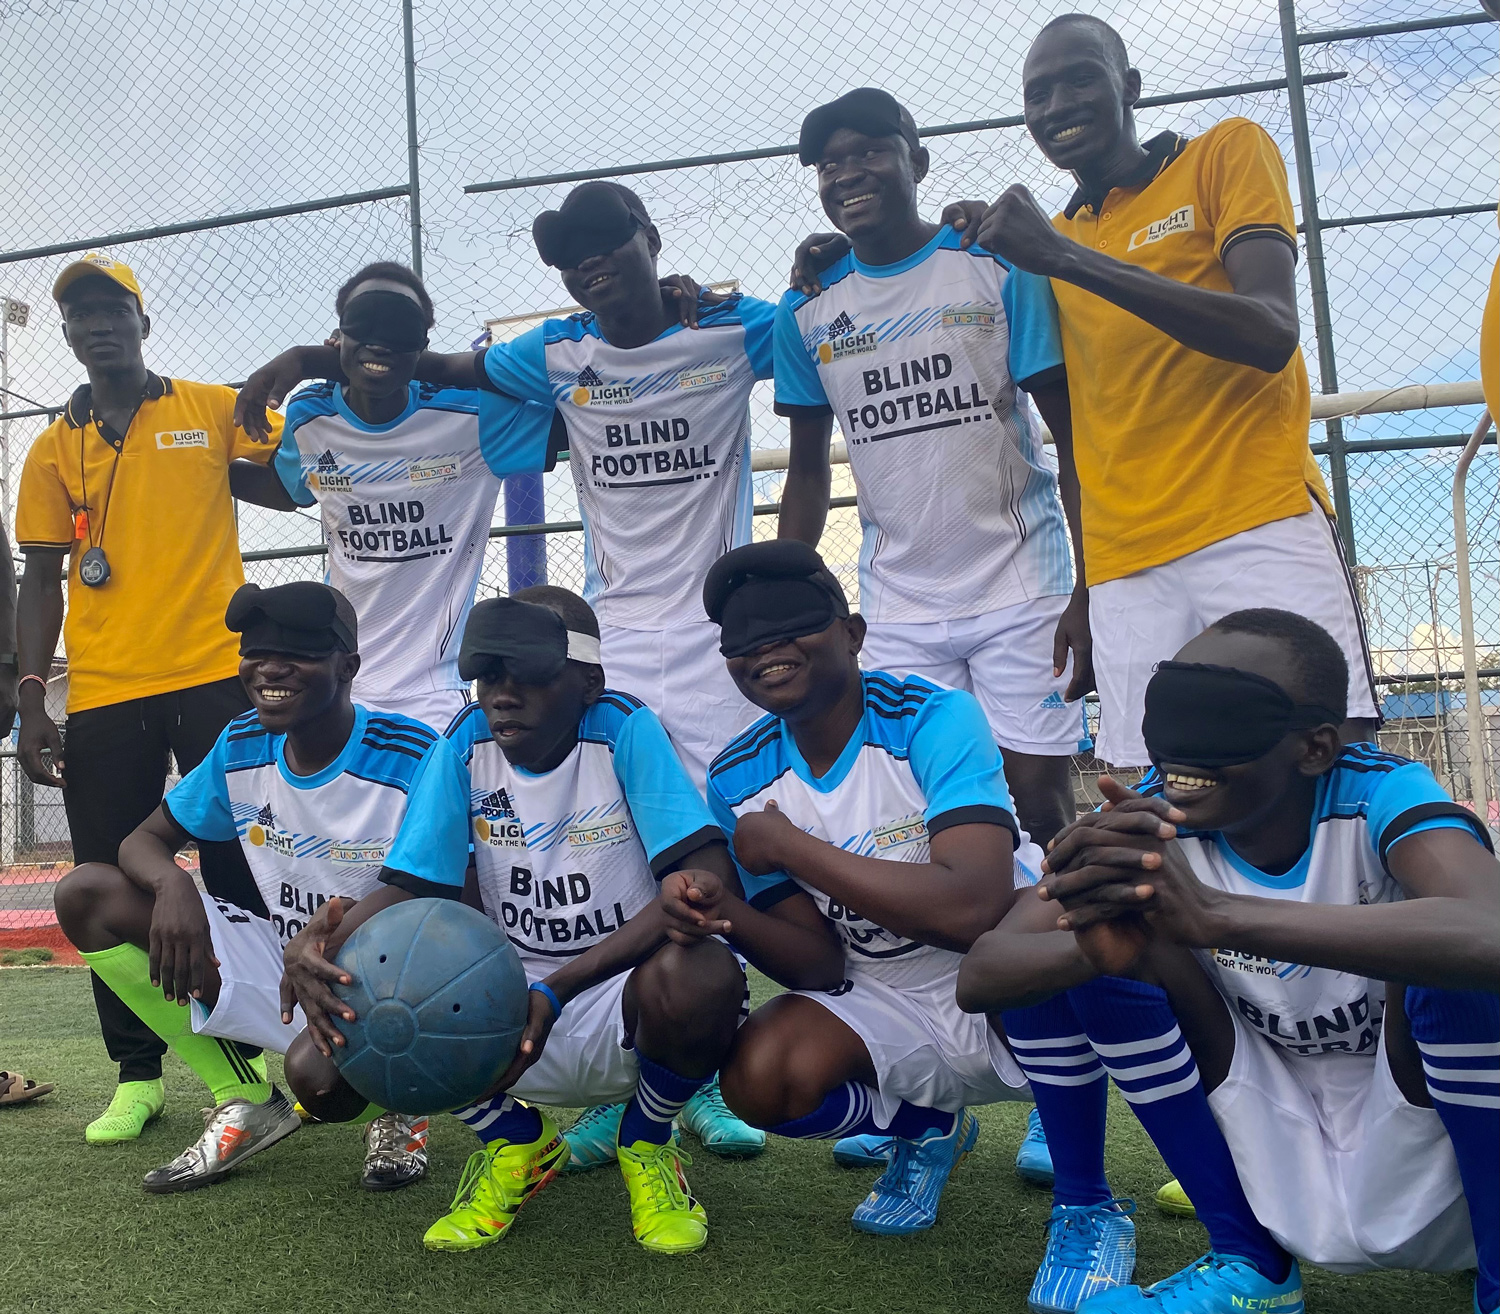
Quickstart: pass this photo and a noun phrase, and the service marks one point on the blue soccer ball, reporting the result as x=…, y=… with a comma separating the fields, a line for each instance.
x=440, y=1001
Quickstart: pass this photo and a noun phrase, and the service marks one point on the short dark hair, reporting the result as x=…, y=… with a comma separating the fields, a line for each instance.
x=1114, y=43
x=1322, y=669
x=577, y=615
x=392, y=272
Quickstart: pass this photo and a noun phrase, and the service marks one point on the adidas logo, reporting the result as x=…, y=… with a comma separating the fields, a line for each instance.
x=328, y=461
x=1053, y=700
x=593, y=391
x=326, y=477
x=844, y=339
x=588, y=377
x=841, y=327
x=265, y=816
x=499, y=802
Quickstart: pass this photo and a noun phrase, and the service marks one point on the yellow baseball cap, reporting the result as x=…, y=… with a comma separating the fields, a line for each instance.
x=96, y=263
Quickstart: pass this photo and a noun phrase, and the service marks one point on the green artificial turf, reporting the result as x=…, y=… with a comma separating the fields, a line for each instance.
x=292, y=1231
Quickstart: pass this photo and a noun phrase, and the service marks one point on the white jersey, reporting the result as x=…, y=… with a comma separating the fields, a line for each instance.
x=393, y=800
x=920, y=362
x=406, y=509
x=921, y=760
x=567, y=857
x=1368, y=801
x=659, y=437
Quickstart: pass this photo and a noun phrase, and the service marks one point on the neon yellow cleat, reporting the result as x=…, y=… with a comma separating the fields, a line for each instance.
x=1172, y=1199
x=663, y=1215
x=497, y=1181
x=134, y=1104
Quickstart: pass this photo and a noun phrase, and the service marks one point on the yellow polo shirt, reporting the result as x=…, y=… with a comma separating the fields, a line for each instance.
x=160, y=501
x=1176, y=450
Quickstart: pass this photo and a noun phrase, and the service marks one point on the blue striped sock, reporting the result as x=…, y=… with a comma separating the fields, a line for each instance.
x=1069, y=1087
x=1458, y=1032
x=1134, y=1031
x=845, y=1111
x=501, y=1118
x=659, y=1097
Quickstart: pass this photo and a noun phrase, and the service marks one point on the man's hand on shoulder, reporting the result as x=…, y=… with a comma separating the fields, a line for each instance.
x=813, y=256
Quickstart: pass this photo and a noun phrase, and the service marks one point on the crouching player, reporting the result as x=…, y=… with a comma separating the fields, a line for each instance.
x=875, y=839
x=579, y=805
x=1229, y=940
x=326, y=799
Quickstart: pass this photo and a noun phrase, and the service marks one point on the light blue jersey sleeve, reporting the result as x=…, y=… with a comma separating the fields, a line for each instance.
x=797, y=381
x=670, y=815
x=759, y=319
x=759, y=891
x=200, y=801
x=1409, y=800
x=519, y=367
x=431, y=850
x=1035, y=338
x=957, y=764
x=515, y=436
x=288, y=460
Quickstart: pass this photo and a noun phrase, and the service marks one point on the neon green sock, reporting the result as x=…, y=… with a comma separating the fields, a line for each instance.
x=226, y=1072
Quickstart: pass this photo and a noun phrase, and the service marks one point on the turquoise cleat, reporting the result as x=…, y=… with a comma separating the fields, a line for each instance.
x=1206, y=1286
x=1034, y=1159
x=592, y=1139
x=711, y=1121
x=905, y=1197
x=1090, y=1250
x=863, y=1151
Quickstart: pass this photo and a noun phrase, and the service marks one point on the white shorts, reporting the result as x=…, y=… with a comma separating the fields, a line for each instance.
x=589, y=1057
x=1295, y=564
x=249, y=1005
x=925, y=1049
x=1004, y=658
x=1348, y=1175
x=436, y=709
x=680, y=675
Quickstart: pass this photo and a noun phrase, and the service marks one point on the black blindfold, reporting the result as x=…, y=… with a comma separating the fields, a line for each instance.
x=596, y=219
x=384, y=319
x=304, y=619
x=526, y=641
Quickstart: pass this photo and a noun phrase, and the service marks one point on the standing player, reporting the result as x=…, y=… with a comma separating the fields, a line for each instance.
x=130, y=492
x=920, y=349
x=658, y=425
x=1174, y=271
x=875, y=841
x=326, y=798
x=405, y=496
x=1229, y=940
x=579, y=807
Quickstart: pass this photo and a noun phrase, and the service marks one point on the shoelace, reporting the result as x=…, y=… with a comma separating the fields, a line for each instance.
x=1034, y=1133
x=901, y=1175
x=590, y=1117
x=214, y=1120
x=1197, y=1274
x=710, y=1096
x=1081, y=1231
x=386, y=1137
x=479, y=1170
x=664, y=1179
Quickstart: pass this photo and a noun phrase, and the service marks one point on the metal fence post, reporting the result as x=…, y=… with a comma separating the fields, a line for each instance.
x=413, y=167
x=1307, y=186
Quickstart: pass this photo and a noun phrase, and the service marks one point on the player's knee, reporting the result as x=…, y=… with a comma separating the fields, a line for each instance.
x=319, y=1086
x=762, y=1083
x=691, y=992
x=81, y=896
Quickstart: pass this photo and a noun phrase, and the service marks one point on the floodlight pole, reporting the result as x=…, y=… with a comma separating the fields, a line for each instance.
x=413, y=169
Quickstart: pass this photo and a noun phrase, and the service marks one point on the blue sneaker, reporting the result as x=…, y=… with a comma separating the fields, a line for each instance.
x=712, y=1122
x=905, y=1196
x=593, y=1138
x=1208, y=1285
x=863, y=1151
x=1090, y=1249
x=1034, y=1159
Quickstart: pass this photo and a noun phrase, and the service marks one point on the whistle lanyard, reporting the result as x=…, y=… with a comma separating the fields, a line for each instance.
x=109, y=488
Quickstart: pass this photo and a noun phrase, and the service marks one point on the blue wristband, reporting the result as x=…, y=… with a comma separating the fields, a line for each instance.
x=542, y=988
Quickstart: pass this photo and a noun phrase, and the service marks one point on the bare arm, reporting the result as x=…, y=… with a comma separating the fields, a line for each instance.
x=260, y=485
x=1256, y=324
x=809, y=480
x=1023, y=961
x=949, y=901
x=39, y=618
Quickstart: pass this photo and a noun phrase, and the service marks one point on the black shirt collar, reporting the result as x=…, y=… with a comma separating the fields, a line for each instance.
x=1161, y=150
x=80, y=409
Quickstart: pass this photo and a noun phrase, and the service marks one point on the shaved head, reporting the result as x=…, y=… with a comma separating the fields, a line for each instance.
x=1112, y=41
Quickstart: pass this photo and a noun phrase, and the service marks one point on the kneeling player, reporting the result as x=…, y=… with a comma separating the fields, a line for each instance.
x=1227, y=946
x=579, y=805
x=871, y=823
x=326, y=798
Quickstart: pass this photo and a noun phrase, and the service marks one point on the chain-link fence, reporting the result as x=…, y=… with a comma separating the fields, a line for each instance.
x=246, y=161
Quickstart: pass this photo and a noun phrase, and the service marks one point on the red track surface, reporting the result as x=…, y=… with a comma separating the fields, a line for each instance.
x=42, y=937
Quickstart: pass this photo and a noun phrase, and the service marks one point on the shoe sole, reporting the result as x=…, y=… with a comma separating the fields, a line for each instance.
x=122, y=1140
x=735, y=1151
x=213, y=1179
x=369, y=1185
x=1174, y=1210
x=1035, y=1176
x=672, y=1250
x=479, y=1243
x=860, y=1161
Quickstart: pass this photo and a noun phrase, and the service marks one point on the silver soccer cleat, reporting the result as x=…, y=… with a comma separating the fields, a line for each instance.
x=232, y=1133
x=395, y=1151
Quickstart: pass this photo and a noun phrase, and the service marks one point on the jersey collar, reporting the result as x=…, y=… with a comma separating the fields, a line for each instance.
x=341, y=405
x=842, y=765
x=80, y=408
x=335, y=768
x=1161, y=151
x=901, y=266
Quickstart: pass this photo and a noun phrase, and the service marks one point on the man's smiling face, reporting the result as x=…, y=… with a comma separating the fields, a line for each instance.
x=1076, y=90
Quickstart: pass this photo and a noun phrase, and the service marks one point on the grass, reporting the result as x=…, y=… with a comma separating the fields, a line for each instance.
x=292, y=1230
x=25, y=957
